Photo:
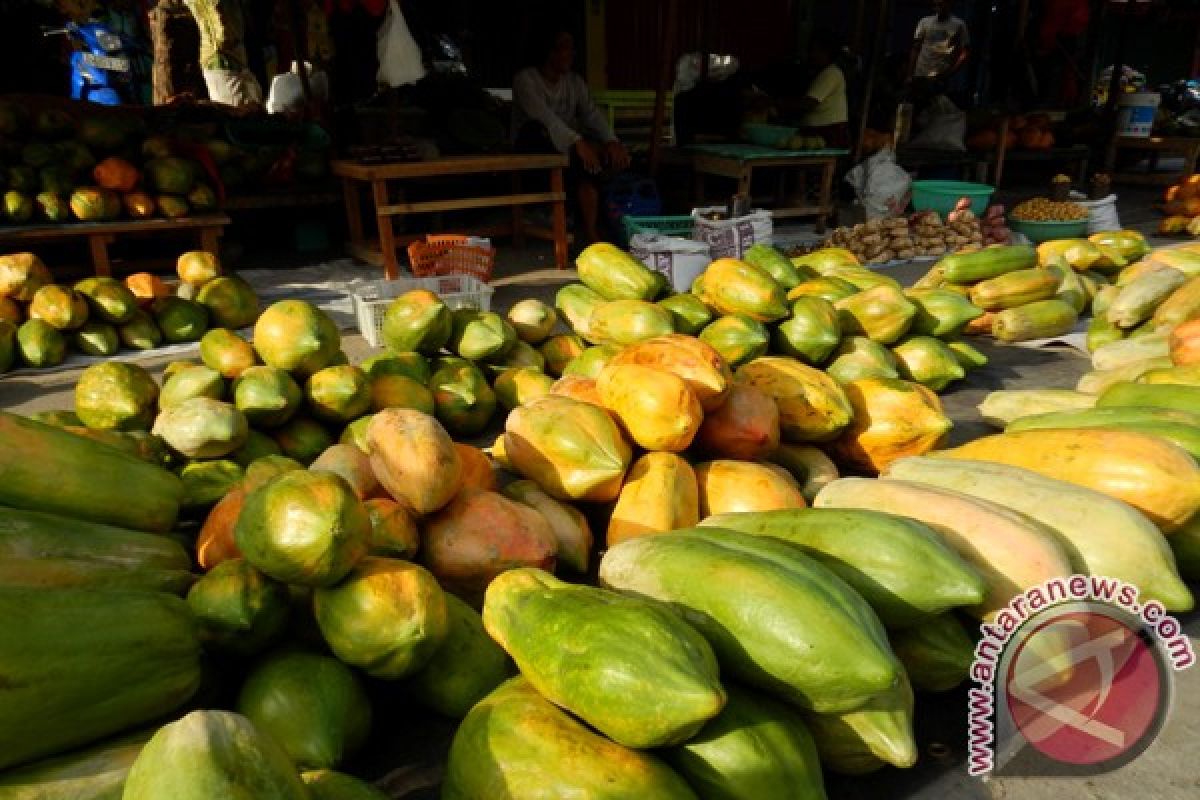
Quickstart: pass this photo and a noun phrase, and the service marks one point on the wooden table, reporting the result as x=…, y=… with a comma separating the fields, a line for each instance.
x=207, y=228
x=1187, y=146
x=739, y=162
x=387, y=198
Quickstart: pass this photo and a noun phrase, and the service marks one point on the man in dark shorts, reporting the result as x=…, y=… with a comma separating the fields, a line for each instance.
x=553, y=111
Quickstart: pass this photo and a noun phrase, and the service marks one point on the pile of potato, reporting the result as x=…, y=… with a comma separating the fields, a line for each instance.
x=923, y=234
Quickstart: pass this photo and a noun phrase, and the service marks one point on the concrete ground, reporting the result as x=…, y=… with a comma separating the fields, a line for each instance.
x=409, y=746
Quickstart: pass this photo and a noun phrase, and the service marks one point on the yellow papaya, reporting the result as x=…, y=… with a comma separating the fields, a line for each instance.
x=656, y=407
x=812, y=407
x=659, y=495
x=572, y=449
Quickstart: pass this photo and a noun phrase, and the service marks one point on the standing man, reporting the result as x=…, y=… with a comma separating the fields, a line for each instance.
x=940, y=49
x=553, y=111
x=223, y=53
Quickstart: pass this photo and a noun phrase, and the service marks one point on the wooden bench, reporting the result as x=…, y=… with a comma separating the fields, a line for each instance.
x=207, y=228
x=738, y=162
x=386, y=182
x=1186, y=146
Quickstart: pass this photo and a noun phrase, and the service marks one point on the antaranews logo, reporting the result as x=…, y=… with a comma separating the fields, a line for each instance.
x=1073, y=677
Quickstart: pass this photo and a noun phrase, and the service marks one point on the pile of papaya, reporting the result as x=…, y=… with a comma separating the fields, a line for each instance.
x=41, y=321
x=718, y=549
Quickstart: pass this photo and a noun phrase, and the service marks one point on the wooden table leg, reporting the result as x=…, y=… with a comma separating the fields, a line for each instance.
x=387, y=234
x=518, y=215
x=559, y=218
x=745, y=179
x=210, y=240
x=98, y=243
x=826, y=198
x=1001, y=150
x=1189, y=159
x=350, y=195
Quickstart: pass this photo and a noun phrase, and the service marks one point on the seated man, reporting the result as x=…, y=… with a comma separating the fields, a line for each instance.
x=553, y=112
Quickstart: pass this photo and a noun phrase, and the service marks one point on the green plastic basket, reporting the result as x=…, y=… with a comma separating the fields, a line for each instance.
x=1046, y=230
x=663, y=226
x=942, y=196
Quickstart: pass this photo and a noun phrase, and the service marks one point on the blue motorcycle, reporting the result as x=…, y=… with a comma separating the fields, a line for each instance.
x=102, y=63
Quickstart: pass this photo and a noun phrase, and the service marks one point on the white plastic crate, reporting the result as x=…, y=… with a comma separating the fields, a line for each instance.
x=372, y=299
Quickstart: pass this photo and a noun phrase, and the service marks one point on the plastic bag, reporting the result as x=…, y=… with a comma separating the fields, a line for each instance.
x=687, y=70
x=399, y=57
x=882, y=186
x=681, y=260
x=1102, y=213
x=287, y=92
x=943, y=126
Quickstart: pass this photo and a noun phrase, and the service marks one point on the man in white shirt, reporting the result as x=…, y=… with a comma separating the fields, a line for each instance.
x=939, y=50
x=553, y=111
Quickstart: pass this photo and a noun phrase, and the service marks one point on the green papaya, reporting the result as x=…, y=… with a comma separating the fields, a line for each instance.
x=465, y=668
x=206, y=482
x=387, y=617
x=811, y=333
x=937, y=653
x=625, y=322
x=776, y=264
x=858, y=357
x=825, y=286
x=628, y=667
x=267, y=396
x=532, y=319
x=191, y=382
x=39, y=550
x=91, y=480
x=311, y=704
x=871, y=736
x=80, y=664
x=882, y=314
x=941, y=312
x=756, y=748
x=782, y=598
x=904, y=570
x=96, y=339
x=688, y=313
x=479, y=335
x=928, y=361
x=325, y=784
x=409, y=365
x=1185, y=544
x=210, y=754
x=239, y=609
x=516, y=745
x=416, y=321
x=463, y=401
x=589, y=363
x=616, y=275
x=140, y=332
x=968, y=356
x=738, y=338
x=40, y=345
x=575, y=302
x=92, y=773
